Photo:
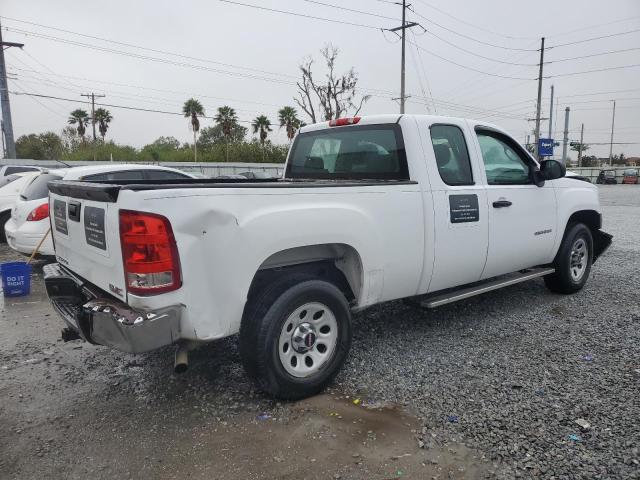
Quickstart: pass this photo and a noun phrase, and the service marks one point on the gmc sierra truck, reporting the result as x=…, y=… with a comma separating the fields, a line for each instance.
x=372, y=209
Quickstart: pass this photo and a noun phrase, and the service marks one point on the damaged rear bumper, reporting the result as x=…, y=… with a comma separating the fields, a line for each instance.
x=103, y=320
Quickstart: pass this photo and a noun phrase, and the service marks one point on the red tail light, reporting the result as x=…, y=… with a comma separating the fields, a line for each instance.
x=149, y=253
x=39, y=213
x=341, y=122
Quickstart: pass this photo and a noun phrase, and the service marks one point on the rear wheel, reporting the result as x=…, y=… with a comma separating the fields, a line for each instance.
x=295, y=336
x=573, y=261
x=4, y=218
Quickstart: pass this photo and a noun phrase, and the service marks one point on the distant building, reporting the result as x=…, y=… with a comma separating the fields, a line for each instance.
x=633, y=161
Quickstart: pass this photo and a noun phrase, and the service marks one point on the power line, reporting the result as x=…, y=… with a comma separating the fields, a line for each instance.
x=591, y=27
x=454, y=45
x=471, y=38
x=125, y=107
x=594, y=38
x=288, y=12
x=150, y=58
x=594, y=55
x=508, y=37
x=620, y=67
x=154, y=50
x=37, y=100
x=169, y=62
x=468, y=67
x=350, y=9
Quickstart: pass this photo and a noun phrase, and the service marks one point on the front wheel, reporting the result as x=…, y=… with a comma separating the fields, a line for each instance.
x=573, y=261
x=296, y=336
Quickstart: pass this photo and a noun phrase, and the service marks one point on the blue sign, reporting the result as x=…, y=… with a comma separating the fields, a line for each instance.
x=545, y=147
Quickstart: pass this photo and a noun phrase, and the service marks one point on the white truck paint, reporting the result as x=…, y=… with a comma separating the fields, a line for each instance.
x=389, y=238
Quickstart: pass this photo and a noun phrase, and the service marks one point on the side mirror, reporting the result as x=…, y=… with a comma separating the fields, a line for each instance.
x=552, y=169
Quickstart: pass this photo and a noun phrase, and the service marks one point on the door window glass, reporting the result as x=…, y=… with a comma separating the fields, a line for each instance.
x=451, y=154
x=503, y=163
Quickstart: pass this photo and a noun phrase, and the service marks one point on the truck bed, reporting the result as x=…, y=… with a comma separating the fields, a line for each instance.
x=108, y=191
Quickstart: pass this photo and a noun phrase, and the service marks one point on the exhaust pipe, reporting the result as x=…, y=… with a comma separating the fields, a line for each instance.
x=181, y=362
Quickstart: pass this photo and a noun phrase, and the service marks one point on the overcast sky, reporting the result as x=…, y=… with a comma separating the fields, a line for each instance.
x=248, y=58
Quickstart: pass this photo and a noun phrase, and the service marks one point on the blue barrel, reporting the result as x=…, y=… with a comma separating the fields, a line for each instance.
x=16, y=278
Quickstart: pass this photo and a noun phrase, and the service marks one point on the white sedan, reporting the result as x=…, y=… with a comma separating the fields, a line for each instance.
x=29, y=222
x=9, y=193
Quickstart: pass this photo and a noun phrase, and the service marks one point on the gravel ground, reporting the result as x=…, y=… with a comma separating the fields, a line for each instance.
x=510, y=372
x=491, y=387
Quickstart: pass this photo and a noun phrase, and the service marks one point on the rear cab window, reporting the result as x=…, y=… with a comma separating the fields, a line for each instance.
x=38, y=187
x=360, y=152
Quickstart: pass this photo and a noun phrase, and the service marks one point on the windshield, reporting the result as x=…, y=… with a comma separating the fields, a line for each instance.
x=631, y=173
x=38, y=187
x=354, y=153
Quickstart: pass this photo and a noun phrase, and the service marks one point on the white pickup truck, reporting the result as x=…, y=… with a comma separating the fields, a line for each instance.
x=371, y=209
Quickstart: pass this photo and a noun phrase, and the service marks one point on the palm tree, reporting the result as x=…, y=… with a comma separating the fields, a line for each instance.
x=227, y=119
x=192, y=108
x=261, y=124
x=80, y=118
x=103, y=117
x=289, y=119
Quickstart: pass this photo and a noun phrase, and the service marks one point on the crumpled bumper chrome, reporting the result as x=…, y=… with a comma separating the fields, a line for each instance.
x=104, y=320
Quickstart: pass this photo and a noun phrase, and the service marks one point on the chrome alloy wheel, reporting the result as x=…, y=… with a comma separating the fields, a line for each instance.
x=579, y=259
x=308, y=339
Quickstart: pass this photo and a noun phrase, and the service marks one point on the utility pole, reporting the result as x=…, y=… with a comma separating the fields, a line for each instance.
x=581, y=145
x=613, y=122
x=7, y=124
x=404, y=27
x=539, y=106
x=565, y=139
x=551, y=115
x=93, y=109
x=4, y=152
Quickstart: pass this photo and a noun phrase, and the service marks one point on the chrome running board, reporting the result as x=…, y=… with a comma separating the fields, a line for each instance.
x=438, y=299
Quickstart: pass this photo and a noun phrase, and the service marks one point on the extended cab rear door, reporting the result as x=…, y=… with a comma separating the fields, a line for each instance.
x=460, y=225
x=522, y=216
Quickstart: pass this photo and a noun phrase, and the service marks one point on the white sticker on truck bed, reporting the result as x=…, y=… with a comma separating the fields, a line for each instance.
x=94, y=227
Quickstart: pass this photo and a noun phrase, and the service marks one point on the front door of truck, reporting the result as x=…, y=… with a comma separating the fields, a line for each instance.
x=460, y=226
x=522, y=216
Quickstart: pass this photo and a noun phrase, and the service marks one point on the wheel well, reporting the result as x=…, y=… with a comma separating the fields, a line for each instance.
x=337, y=263
x=590, y=218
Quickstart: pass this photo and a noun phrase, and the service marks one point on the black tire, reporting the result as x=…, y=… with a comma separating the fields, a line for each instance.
x=262, y=325
x=562, y=280
x=4, y=218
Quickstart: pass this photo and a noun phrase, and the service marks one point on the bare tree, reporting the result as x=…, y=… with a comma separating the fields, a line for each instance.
x=331, y=97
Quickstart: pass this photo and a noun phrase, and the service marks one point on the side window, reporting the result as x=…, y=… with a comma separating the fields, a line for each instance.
x=164, y=175
x=452, y=155
x=11, y=170
x=503, y=163
x=115, y=176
